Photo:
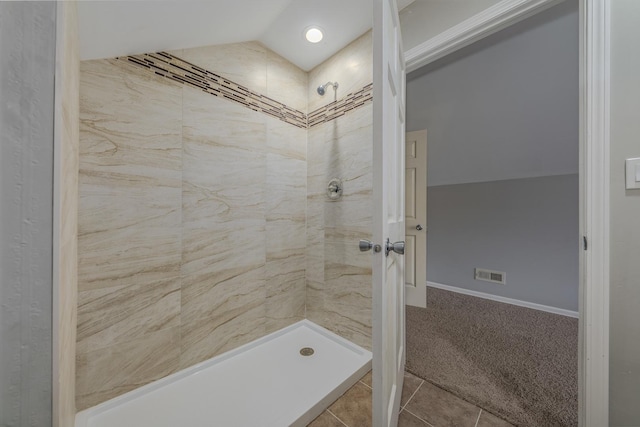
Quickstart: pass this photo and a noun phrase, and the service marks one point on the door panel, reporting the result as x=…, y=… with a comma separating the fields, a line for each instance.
x=409, y=261
x=416, y=218
x=410, y=190
x=389, y=217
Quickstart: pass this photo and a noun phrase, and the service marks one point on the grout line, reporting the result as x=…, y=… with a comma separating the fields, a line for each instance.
x=366, y=385
x=478, y=419
x=420, y=418
x=336, y=417
x=411, y=397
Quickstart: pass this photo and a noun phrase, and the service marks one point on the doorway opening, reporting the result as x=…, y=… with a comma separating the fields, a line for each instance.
x=503, y=195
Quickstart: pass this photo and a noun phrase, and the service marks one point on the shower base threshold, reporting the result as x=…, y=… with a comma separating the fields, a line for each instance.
x=265, y=383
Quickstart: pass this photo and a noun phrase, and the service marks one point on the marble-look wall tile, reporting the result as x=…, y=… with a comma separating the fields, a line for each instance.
x=67, y=141
x=286, y=193
x=218, y=316
x=348, y=271
x=180, y=191
x=286, y=83
x=286, y=291
x=339, y=279
x=314, y=253
x=129, y=228
x=338, y=283
x=348, y=284
x=125, y=313
x=109, y=372
x=351, y=67
x=130, y=176
x=223, y=258
x=256, y=67
x=243, y=63
x=349, y=151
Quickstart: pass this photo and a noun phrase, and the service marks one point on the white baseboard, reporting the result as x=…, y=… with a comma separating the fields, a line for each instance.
x=532, y=305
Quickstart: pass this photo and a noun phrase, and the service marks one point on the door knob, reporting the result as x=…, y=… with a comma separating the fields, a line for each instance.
x=397, y=247
x=418, y=227
x=366, y=245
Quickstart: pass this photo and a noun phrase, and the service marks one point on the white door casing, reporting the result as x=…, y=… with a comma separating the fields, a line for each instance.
x=389, y=84
x=416, y=218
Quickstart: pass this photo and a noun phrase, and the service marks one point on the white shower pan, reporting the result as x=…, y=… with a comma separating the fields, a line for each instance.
x=265, y=383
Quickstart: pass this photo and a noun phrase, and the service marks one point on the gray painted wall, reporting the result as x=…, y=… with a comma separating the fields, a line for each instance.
x=505, y=107
x=625, y=217
x=502, y=128
x=527, y=228
x=27, y=59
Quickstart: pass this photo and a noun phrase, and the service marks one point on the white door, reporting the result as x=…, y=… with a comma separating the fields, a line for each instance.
x=388, y=213
x=415, y=210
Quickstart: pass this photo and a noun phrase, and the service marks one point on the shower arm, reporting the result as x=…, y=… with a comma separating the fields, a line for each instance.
x=335, y=85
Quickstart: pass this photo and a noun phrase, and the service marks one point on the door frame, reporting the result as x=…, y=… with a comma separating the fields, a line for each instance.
x=594, y=167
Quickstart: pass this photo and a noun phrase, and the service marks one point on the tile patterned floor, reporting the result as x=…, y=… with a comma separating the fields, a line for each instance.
x=422, y=405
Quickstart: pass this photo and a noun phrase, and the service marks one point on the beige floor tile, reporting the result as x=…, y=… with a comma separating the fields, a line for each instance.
x=490, y=420
x=354, y=407
x=411, y=384
x=326, y=420
x=368, y=379
x=409, y=420
x=441, y=408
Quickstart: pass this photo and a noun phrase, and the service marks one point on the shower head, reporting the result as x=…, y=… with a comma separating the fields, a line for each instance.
x=322, y=88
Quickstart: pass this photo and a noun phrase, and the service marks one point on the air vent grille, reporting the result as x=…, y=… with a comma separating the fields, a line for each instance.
x=490, y=276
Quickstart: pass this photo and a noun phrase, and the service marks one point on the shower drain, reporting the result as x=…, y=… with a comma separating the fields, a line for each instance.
x=306, y=351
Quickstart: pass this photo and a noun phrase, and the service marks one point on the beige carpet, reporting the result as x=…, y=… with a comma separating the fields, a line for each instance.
x=517, y=363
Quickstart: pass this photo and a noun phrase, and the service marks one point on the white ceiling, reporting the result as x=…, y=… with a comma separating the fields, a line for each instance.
x=114, y=28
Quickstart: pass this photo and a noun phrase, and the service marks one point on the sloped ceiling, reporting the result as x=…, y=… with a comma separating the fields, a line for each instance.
x=116, y=28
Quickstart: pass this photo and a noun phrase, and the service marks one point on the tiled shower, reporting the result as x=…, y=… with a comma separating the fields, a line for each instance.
x=204, y=222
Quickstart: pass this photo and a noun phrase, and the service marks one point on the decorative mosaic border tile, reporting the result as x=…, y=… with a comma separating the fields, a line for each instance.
x=171, y=67
x=341, y=107
x=174, y=68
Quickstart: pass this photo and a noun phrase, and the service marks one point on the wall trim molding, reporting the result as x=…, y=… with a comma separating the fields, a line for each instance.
x=479, y=26
x=505, y=300
x=595, y=206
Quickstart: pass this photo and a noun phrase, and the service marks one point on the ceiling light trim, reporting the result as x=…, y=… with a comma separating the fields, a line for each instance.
x=314, y=34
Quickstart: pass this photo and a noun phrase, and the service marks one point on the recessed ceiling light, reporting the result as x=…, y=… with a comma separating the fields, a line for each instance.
x=313, y=34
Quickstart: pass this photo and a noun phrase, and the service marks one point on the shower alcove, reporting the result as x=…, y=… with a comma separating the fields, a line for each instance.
x=209, y=252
